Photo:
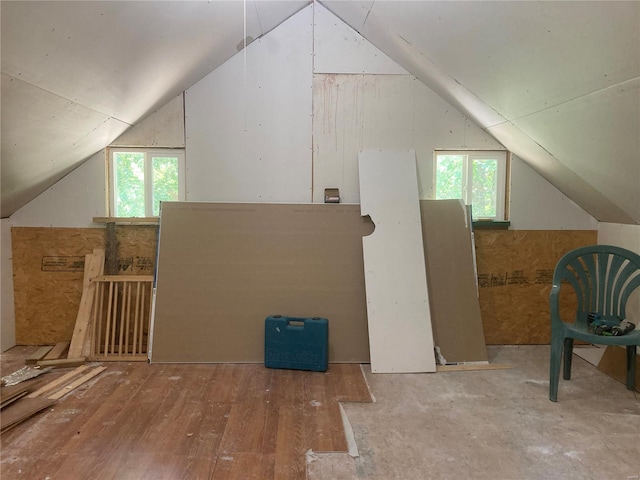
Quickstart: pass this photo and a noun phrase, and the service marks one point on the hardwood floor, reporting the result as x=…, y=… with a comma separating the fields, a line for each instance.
x=186, y=421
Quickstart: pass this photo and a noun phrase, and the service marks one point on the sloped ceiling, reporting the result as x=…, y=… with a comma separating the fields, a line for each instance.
x=77, y=74
x=557, y=83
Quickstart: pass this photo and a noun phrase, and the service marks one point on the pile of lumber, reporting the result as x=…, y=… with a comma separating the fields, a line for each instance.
x=55, y=356
x=23, y=400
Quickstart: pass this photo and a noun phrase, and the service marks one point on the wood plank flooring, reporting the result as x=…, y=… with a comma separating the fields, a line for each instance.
x=188, y=421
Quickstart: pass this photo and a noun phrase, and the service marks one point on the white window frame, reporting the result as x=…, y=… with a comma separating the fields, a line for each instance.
x=502, y=156
x=149, y=154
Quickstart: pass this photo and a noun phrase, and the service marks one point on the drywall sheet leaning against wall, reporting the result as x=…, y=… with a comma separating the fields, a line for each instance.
x=223, y=268
x=397, y=301
x=451, y=275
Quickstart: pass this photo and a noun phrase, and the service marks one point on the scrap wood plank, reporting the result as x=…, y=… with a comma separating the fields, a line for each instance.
x=37, y=355
x=467, y=367
x=14, y=398
x=26, y=386
x=86, y=345
x=63, y=362
x=57, y=351
x=58, y=381
x=10, y=394
x=22, y=410
x=85, y=378
x=94, y=266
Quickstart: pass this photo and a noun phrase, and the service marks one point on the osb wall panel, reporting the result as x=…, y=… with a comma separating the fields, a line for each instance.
x=48, y=267
x=515, y=271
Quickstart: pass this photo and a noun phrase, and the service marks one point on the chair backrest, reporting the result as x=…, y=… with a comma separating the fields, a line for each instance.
x=602, y=276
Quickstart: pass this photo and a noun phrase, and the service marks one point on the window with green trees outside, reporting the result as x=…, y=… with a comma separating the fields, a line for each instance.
x=142, y=179
x=477, y=177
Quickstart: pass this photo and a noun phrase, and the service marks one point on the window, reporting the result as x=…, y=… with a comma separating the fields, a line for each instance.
x=141, y=179
x=477, y=177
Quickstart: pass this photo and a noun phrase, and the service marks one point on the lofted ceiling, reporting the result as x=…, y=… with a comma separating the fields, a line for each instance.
x=557, y=83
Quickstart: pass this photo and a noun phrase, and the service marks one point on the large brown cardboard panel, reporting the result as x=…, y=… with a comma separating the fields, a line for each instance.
x=223, y=268
x=48, y=267
x=451, y=276
x=515, y=271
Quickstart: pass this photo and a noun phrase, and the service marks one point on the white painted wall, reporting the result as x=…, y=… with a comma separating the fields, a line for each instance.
x=163, y=128
x=387, y=112
x=248, y=123
x=535, y=204
x=621, y=235
x=71, y=202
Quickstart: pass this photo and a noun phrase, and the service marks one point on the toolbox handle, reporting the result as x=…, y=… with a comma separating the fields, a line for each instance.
x=296, y=323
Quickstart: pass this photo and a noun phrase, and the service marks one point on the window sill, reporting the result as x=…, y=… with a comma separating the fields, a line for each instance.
x=128, y=220
x=491, y=225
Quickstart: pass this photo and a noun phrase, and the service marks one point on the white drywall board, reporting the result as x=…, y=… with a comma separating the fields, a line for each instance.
x=163, y=128
x=7, y=312
x=535, y=204
x=338, y=48
x=565, y=179
x=77, y=133
x=362, y=112
x=73, y=201
x=619, y=234
x=400, y=334
x=248, y=123
x=600, y=54
x=596, y=127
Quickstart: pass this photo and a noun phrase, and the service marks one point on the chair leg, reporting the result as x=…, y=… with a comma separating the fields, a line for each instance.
x=554, y=367
x=631, y=367
x=568, y=356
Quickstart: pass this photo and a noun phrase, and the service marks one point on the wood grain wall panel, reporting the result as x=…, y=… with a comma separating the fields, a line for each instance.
x=48, y=266
x=223, y=268
x=515, y=270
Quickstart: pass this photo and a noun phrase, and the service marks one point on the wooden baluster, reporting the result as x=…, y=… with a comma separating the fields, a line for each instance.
x=127, y=317
x=135, y=319
x=123, y=313
x=107, y=320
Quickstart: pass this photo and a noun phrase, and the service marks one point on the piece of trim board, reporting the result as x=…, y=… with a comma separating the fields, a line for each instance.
x=58, y=351
x=75, y=384
x=469, y=367
x=38, y=355
x=400, y=334
x=94, y=266
x=59, y=381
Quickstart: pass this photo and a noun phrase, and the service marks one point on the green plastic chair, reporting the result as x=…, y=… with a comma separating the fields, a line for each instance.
x=603, y=277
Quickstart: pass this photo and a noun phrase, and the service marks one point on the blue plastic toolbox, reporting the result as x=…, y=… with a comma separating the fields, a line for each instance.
x=296, y=343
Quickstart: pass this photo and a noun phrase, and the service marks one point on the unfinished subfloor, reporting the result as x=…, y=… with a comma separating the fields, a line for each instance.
x=492, y=424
